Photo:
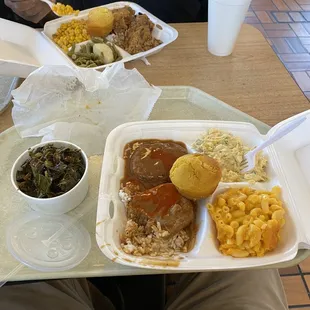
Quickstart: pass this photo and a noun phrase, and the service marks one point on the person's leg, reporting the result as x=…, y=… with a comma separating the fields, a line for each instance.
x=75, y=294
x=234, y=290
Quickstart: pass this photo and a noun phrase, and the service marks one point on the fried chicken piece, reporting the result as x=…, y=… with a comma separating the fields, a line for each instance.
x=138, y=37
x=123, y=17
x=133, y=32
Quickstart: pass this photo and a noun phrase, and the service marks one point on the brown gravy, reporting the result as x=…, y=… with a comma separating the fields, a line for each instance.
x=148, y=162
x=157, y=201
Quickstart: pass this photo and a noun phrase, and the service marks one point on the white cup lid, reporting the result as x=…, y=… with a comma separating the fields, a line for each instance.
x=47, y=242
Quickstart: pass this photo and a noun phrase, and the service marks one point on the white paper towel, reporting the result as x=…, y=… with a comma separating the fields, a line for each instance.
x=81, y=106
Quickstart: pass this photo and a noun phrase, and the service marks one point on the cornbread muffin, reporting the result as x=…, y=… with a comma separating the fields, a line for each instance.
x=196, y=176
x=100, y=22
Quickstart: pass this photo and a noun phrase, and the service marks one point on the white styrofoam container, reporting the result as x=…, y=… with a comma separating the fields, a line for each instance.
x=163, y=31
x=288, y=168
x=24, y=49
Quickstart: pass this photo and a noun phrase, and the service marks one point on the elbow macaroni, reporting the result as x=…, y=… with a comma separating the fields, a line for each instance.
x=248, y=221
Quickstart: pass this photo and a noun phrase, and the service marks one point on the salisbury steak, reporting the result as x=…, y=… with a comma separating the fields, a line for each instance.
x=163, y=204
x=152, y=161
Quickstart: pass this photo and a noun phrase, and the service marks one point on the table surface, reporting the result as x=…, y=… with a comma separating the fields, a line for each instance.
x=252, y=79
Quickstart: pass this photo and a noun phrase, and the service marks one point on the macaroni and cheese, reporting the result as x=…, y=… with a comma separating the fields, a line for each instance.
x=62, y=9
x=248, y=221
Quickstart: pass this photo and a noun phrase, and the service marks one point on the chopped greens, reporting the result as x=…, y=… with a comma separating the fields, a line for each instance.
x=50, y=171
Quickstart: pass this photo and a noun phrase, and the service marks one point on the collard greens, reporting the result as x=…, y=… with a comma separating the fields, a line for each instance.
x=50, y=171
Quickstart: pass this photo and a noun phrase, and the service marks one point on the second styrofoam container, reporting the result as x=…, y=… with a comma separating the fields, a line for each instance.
x=111, y=214
x=162, y=31
x=24, y=49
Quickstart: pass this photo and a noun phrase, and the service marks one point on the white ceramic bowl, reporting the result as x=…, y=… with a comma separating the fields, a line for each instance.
x=60, y=204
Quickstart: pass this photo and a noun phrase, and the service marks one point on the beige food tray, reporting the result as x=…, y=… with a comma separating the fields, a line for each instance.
x=174, y=103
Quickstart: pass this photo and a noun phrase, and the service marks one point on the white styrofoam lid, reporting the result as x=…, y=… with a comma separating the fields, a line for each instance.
x=47, y=243
x=23, y=49
x=293, y=168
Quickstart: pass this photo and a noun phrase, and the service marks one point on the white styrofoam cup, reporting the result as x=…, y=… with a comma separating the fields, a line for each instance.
x=224, y=23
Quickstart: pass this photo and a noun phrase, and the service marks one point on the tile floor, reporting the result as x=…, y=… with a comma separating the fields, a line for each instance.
x=286, y=25
x=296, y=282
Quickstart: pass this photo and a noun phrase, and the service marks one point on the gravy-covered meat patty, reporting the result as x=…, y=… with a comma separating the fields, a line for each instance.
x=164, y=204
x=152, y=161
x=160, y=221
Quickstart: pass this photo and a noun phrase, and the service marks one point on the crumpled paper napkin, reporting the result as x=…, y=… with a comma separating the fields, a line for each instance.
x=81, y=106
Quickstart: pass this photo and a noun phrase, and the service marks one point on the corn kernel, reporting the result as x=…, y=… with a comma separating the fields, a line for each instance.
x=66, y=36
